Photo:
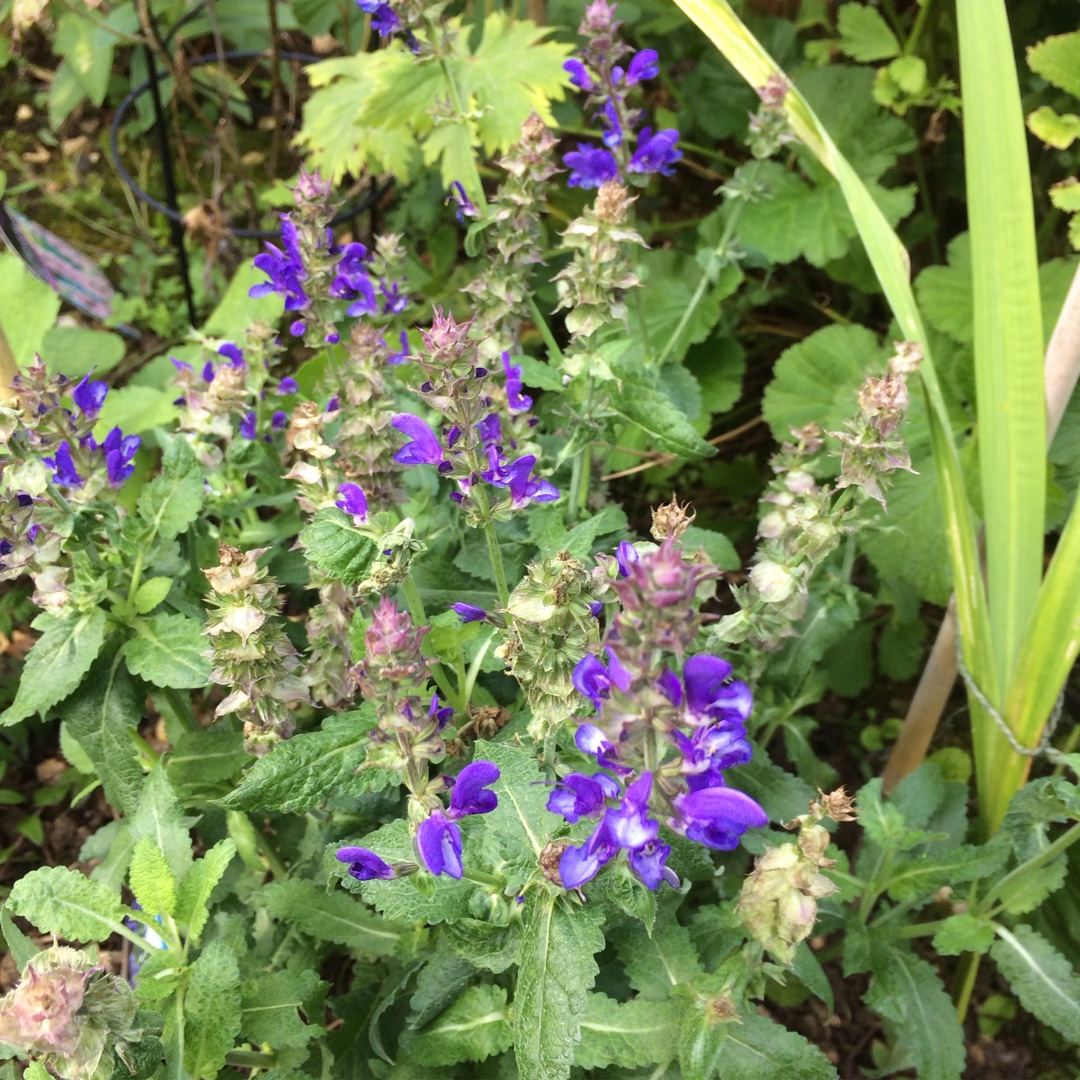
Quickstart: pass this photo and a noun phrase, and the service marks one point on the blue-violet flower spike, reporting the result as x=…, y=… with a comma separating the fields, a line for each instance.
x=590, y=166
x=579, y=74
x=90, y=396
x=438, y=842
x=470, y=793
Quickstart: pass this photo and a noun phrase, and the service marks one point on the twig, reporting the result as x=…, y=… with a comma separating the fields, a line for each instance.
x=1062, y=369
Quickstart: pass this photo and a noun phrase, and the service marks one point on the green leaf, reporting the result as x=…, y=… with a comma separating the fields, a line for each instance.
x=87, y=51
x=337, y=547
x=1024, y=892
x=269, y=1008
x=151, y=593
x=963, y=933
x=1057, y=60
x=550, y=535
x=555, y=972
x=236, y=309
x=944, y=292
x=102, y=716
x=716, y=546
x=781, y=795
x=202, y=758
x=308, y=769
x=864, y=34
x=159, y=817
x=63, y=902
x=171, y=501
x=211, y=1011
x=1041, y=978
x=28, y=308
x=152, y=882
x=640, y=399
x=193, y=894
x=477, y=1026
x=439, y=982
x=922, y=877
x=1065, y=196
x=631, y=1034
x=655, y=964
x=168, y=651
x=1054, y=129
x=76, y=350
x=334, y=916
x=57, y=662
x=136, y=409
x=22, y=949
x=758, y=1049
x=907, y=991
x=484, y=944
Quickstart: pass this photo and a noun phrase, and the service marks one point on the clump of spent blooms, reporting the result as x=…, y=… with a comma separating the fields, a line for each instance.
x=770, y=128
x=671, y=519
x=250, y=652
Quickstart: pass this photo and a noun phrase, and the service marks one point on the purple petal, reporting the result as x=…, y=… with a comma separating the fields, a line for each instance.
x=353, y=500
x=424, y=449
x=470, y=794
x=365, y=864
x=438, y=842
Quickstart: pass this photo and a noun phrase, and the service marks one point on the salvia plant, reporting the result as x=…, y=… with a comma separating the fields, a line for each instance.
x=422, y=761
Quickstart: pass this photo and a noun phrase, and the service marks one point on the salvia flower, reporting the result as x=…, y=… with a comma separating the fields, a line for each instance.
x=90, y=396
x=469, y=613
x=353, y=501
x=645, y=65
x=463, y=205
x=655, y=153
x=424, y=447
x=364, y=865
x=518, y=401
x=579, y=74
x=438, y=838
x=590, y=167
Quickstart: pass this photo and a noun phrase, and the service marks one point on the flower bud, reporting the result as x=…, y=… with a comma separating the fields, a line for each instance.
x=775, y=582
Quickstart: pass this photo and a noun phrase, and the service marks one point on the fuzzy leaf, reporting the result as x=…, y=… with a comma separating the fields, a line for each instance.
x=57, y=663
x=655, y=964
x=640, y=398
x=152, y=882
x=922, y=877
x=168, y=651
x=63, y=902
x=1025, y=892
x=201, y=758
x=781, y=795
x=159, y=816
x=1041, y=978
x=440, y=982
x=631, y=1034
x=1057, y=60
x=554, y=974
x=963, y=933
x=944, y=292
x=758, y=1049
x=171, y=501
x=269, y=1008
x=193, y=895
x=484, y=944
x=334, y=917
x=865, y=35
x=477, y=1026
x=151, y=593
x=102, y=715
x=907, y=991
x=21, y=948
x=337, y=547
x=308, y=769
x=884, y=823
x=211, y=1011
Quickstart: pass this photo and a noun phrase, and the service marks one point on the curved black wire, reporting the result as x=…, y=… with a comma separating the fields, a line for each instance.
x=346, y=213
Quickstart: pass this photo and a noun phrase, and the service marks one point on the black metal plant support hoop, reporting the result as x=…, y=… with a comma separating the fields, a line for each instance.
x=170, y=208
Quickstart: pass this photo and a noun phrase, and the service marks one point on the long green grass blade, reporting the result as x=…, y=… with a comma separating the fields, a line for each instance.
x=722, y=26
x=1008, y=364
x=1007, y=324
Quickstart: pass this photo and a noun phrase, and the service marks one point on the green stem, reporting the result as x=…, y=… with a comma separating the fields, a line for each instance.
x=251, y=1059
x=547, y=757
x=545, y=332
x=483, y=879
x=136, y=574
x=969, y=972
x=419, y=618
x=276, y=866
x=917, y=29
x=495, y=554
x=181, y=707
x=474, y=671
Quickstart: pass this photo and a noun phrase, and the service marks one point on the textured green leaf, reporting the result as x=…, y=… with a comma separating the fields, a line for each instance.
x=758, y=1049
x=171, y=501
x=159, y=816
x=135, y=409
x=1058, y=131
x=439, y=983
x=28, y=308
x=308, y=769
x=21, y=948
x=907, y=991
x=554, y=974
x=206, y=757
x=781, y=795
x=152, y=882
x=1041, y=978
x=1057, y=59
x=883, y=822
x=58, y=661
x=211, y=1011
x=922, y=877
x=102, y=715
x=269, y=1008
x=484, y=944
x=630, y=1034
x=337, y=547
x=63, y=902
x=1024, y=892
x=193, y=895
x=640, y=399
x=865, y=35
x=477, y=1026
x=963, y=933
x=335, y=916
x=151, y=593
x=944, y=292
x=716, y=546
x=168, y=650
x=655, y=964
x=75, y=350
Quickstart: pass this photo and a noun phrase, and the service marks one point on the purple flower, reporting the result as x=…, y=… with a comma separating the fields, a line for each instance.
x=394, y=302
x=577, y=865
x=614, y=135
x=247, y=426
x=334, y=404
x=119, y=452
x=424, y=449
x=89, y=396
x=298, y=328
x=490, y=430
x=577, y=795
x=285, y=269
x=402, y=354
x=279, y=420
x=386, y=22
x=628, y=826
x=595, y=607
x=208, y=372
x=470, y=793
x=440, y=716
x=468, y=613
x=590, y=166
x=717, y=816
x=287, y=386
x=438, y=842
x=591, y=740
x=579, y=74
x=518, y=402
x=655, y=153
x=463, y=205
x=644, y=66
x=365, y=865
x=709, y=694
x=711, y=750
x=648, y=861
x=353, y=501
x=523, y=487
x=65, y=474
x=232, y=354
x=595, y=681
x=625, y=555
